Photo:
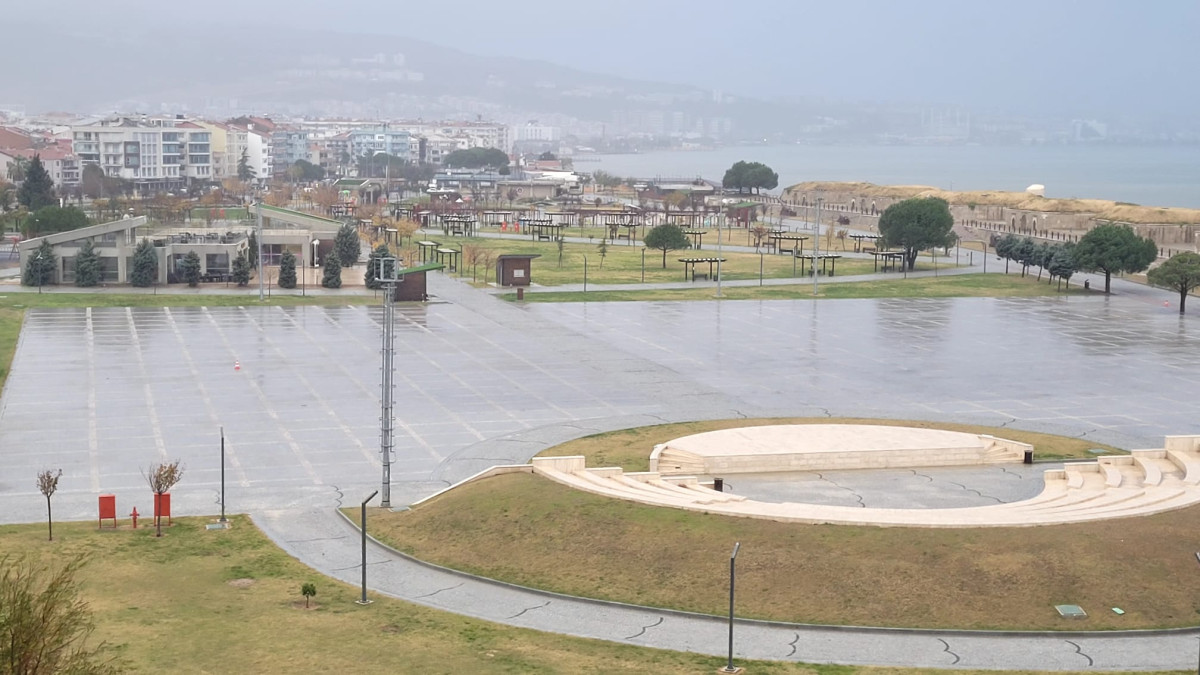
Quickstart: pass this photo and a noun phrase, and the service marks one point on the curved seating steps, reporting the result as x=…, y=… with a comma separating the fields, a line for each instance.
x=1141, y=483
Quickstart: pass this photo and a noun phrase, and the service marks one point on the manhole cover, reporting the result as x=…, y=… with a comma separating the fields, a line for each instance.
x=1071, y=611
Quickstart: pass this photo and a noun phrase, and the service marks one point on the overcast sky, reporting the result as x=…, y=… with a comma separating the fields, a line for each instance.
x=1071, y=57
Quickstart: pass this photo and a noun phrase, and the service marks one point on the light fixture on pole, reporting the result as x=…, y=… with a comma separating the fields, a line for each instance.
x=386, y=273
x=223, y=519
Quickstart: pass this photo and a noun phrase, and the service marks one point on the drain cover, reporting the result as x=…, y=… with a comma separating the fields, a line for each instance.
x=1071, y=611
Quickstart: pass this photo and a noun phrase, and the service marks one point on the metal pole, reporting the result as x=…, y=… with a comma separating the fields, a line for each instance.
x=732, y=576
x=816, y=244
x=643, y=265
x=585, y=274
x=223, y=520
x=364, y=600
x=386, y=404
x=258, y=212
x=720, y=251
x=760, y=268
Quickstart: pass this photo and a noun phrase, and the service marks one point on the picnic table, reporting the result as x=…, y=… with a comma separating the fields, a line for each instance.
x=428, y=249
x=830, y=258
x=778, y=238
x=449, y=258
x=697, y=236
x=860, y=238
x=689, y=265
x=892, y=259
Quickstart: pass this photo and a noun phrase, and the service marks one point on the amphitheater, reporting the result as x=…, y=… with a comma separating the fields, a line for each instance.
x=683, y=471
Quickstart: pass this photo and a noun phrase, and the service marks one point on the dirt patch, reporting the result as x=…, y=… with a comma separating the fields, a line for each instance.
x=241, y=583
x=299, y=604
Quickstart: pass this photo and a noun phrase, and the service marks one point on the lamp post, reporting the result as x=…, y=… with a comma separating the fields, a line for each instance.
x=732, y=575
x=38, y=258
x=223, y=519
x=816, y=244
x=315, y=244
x=364, y=600
x=258, y=219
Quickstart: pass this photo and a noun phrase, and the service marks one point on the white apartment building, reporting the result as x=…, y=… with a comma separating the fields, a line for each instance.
x=156, y=154
x=260, y=154
x=538, y=132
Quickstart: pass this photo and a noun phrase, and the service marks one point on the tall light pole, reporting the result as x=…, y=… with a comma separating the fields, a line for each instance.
x=816, y=244
x=719, y=256
x=385, y=273
x=258, y=218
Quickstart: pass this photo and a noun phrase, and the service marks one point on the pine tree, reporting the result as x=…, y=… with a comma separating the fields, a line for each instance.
x=87, y=265
x=191, y=269
x=38, y=189
x=370, y=277
x=252, y=250
x=333, y=272
x=245, y=172
x=241, y=269
x=145, y=265
x=287, y=270
x=346, y=245
x=39, y=270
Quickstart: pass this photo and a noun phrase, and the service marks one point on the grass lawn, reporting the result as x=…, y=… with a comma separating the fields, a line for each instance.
x=630, y=448
x=623, y=263
x=13, y=306
x=529, y=530
x=229, y=602
x=956, y=286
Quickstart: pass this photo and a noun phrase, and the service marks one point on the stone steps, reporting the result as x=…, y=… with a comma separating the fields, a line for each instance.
x=1142, y=483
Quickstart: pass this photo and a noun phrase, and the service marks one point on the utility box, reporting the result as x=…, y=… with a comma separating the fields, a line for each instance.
x=515, y=269
x=162, y=506
x=108, y=509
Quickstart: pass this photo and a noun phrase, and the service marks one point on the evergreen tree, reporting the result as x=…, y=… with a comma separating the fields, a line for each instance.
x=333, y=272
x=241, y=269
x=39, y=270
x=370, y=276
x=145, y=265
x=287, y=270
x=346, y=245
x=245, y=172
x=252, y=250
x=38, y=189
x=191, y=269
x=87, y=265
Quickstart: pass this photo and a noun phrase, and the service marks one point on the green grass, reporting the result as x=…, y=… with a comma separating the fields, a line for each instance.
x=950, y=286
x=623, y=263
x=527, y=530
x=229, y=602
x=630, y=448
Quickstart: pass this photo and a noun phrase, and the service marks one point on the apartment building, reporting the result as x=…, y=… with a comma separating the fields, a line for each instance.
x=229, y=142
x=156, y=154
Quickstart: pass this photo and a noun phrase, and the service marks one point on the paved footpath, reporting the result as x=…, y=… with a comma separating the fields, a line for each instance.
x=319, y=537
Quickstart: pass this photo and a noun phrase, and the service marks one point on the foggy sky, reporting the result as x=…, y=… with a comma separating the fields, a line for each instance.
x=1099, y=58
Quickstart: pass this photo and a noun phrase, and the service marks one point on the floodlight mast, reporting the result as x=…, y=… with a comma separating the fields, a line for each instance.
x=386, y=273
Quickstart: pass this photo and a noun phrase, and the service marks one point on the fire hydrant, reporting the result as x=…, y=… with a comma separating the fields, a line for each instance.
x=134, y=515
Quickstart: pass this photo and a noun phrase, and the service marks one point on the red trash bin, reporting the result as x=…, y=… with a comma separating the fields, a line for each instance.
x=108, y=509
x=162, y=507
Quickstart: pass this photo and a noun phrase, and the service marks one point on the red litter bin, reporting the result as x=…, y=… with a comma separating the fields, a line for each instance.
x=162, y=507
x=108, y=509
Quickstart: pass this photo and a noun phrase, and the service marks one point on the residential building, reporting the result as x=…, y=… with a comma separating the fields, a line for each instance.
x=155, y=154
x=289, y=144
x=229, y=143
x=395, y=142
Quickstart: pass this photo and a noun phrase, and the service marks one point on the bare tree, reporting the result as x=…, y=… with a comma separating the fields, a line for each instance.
x=48, y=483
x=161, y=478
x=44, y=625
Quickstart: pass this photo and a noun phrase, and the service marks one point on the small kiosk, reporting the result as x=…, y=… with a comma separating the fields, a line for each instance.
x=514, y=269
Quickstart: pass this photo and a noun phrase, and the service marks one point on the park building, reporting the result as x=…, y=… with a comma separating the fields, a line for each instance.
x=308, y=237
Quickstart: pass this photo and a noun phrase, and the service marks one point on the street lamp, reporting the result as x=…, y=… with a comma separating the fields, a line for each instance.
x=732, y=562
x=37, y=257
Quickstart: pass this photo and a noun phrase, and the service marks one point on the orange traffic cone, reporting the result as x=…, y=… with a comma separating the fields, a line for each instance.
x=237, y=365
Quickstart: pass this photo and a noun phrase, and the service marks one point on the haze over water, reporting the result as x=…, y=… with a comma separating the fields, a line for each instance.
x=1148, y=175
